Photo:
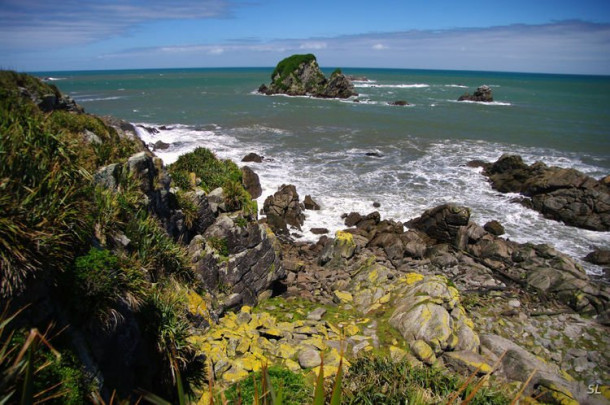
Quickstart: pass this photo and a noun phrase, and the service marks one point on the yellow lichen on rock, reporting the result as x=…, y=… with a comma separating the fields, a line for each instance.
x=411, y=278
x=344, y=296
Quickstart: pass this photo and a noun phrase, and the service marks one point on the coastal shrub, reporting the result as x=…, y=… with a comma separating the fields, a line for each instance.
x=212, y=171
x=296, y=389
x=31, y=369
x=164, y=321
x=189, y=207
x=103, y=283
x=336, y=72
x=378, y=379
x=236, y=197
x=44, y=197
x=289, y=64
x=156, y=250
x=112, y=147
x=219, y=245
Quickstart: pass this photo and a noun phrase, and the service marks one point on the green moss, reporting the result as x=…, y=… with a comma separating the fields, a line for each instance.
x=288, y=65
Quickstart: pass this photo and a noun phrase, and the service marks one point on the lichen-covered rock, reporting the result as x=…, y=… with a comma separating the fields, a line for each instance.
x=428, y=309
x=518, y=364
x=284, y=208
x=339, y=249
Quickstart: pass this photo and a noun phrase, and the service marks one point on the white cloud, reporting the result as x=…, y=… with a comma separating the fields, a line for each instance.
x=313, y=45
x=379, y=47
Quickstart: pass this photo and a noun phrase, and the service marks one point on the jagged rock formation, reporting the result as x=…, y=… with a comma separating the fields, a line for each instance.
x=284, y=208
x=300, y=75
x=482, y=94
x=565, y=195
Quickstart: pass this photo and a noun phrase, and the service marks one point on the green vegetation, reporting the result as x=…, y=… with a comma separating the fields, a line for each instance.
x=44, y=192
x=336, y=72
x=288, y=65
x=94, y=254
x=213, y=172
x=296, y=389
x=219, y=245
x=377, y=379
x=103, y=283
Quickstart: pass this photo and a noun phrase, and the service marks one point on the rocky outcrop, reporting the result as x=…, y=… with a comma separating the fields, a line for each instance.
x=239, y=262
x=428, y=312
x=482, y=94
x=300, y=75
x=251, y=182
x=565, y=195
x=284, y=208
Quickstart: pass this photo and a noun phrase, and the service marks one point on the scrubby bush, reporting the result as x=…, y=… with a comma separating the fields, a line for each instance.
x=296, y=389
x=165, y=322
x=104, y=284
x=44, y=197
x=212, y=171
x=378, y=379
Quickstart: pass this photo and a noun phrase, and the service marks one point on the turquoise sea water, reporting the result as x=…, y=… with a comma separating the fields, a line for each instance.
x=321, y=146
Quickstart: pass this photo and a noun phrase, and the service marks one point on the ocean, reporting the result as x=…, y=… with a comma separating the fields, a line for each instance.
x=348, y=155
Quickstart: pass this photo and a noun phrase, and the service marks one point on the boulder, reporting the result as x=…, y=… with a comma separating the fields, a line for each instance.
x=494, y=227
x=565, y=195
x=599, y=256
x=300, y=75
x=482, y=94
x=160, y=145
x=398, y=103
x=253, y=157
x=310, y=204
x=443, y=223
x=284, y=208
x=251, y=182
x=428, y=309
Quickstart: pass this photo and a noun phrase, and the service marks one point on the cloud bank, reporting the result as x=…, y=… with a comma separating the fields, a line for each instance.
x=560, y=47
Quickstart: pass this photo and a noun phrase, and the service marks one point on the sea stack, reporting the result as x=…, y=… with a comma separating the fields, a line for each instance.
x=300, y=75
x=482, y=94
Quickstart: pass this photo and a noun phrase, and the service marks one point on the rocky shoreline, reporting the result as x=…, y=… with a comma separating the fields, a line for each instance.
x=444, y=292
x=438, y=292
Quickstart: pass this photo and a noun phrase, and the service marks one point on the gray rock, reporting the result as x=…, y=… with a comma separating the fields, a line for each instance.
x=283, y=208
x=309, y=358
x=483, y=94
x=251, y=182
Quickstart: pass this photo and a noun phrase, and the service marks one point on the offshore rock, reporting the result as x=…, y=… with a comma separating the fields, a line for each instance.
x=482, y=94
x=300, y=75
x=284, y=208
x=565, y=195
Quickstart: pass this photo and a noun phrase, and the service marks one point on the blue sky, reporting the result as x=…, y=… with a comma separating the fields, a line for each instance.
x=553, y=36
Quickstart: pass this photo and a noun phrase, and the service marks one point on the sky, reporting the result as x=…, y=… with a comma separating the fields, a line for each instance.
x=545, y=36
